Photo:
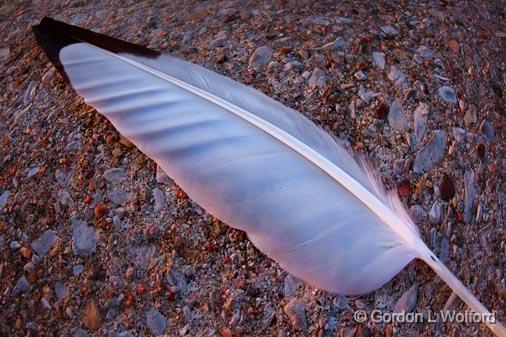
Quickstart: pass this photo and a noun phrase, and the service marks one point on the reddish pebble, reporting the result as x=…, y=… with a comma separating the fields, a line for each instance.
x=100, y=211
x=446, y=188
x=381, y=111
x=226, y=332
x=405, y=189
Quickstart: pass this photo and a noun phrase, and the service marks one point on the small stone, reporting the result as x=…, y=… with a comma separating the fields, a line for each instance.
x=118, y=197
x=14, y=245
x=44, y=243
x=45, y=304
x=295, y=310
x=4, y=197
x=471, y=115
x=289, y=286
x=100, y=211
x=21, y=287
x=407, y=301
x=4, y=53
x=25, y=252
x=91, y=317
x=262, y=55
x=220, y=40
x=435, y=212
x=432, y=153
x=389, y=30
x=396, y=117
x=447, y=94
x=487, y=130
x=220, y=57
x=341, y=303
x=33, y=171
x=317, y=78
x=454, y=46
x=29, y=267
x=425, y=52
x=125, y=334
x=335, y=45
x=115, y=175
x=418, y=213
x=452, y=303
x=360, y=75
x=366, y=95
x=459, y=134
x=80, y=333
x=446, y=188
x=397, y=77
x=433, y=237
x=469, y=195
x=162, y=177
x=420, y=121
x=379, y=59
x=84, y=238
x=159, y=200
x=60, y=290
x=77, y=269
x=444, y=249
x=48, y=74
x=156, y=322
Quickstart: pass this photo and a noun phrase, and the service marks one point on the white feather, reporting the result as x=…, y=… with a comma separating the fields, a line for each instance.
x=260, y=167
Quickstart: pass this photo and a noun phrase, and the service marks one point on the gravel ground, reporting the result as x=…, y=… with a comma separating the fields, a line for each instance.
x=95, y=241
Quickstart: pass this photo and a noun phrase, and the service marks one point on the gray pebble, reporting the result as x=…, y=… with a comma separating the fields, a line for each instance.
x=118, y=196
x=366, y=95
x=396, y=117
x=159, y=200
x=317, y=78
x=156, y=322
x=44, y=243
x=220, y=40
x=487, y=130
x=14, y=245
x=379, y=59
x=289, y=286
x=60, y=290
x=4, y=53
x=84, y=238
x=115, y=175
x=407, y=302
x=447, y=94
x=125, y=334
x=4, y=197
x=420, y=121
x=33, y=171
x=397, y=77
x=425, y=52
x=469, y=195
x=2, y=241
x=262, y=55
x=432, y=153
x=162, y=177
x=435, y=212
x=22, y=286
x=80, y=333
x=389, y=30
x=77, y=269
x=335, y=45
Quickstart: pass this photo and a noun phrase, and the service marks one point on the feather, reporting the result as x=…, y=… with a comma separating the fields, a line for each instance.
x=255, y=164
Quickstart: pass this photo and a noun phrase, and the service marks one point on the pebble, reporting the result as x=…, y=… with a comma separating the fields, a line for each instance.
x=397, y=77
x=220, y=40
x=84, y=238
x=425, y=52
x=389, y=30
x=379, y=59
x=48, y=74
x=2, y=241
x=289, y=286
x=335, y=45
x=396, y=117
x=80, y=333
x=360, y=75
x=444, y=249
x=156, y=322
x=471, y=115
x=118, y=196
x=77, y=269
x=469, y=195
x=125, y=334
x=433, y=237
x=159, y=200
x=15, y=245
x=432, y=153
x=420, y=121
x=487, y=130
x=115, y=175
x=64, y=198
x=262, y=55
x=459, y=134
x=22, y=286
x=162, y=177
x=29, y=267
x=91, y=317
x=407, y=302
x=44, y=243
x=340, y=303
x=45, y=304
x=268, y=316
x=418, y=213
x=62, y=177
x=435, y=212
x=60, y=290
x=447, y=94
x=317, y=78
x=366, y=95
x=4, y=197
x=4, y=53
x=33, y=171
x=295, y=310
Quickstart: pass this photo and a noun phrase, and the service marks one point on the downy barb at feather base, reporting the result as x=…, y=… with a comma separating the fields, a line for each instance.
x=257, y=165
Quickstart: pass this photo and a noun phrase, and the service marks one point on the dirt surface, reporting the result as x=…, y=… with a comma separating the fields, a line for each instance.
x=94, y=242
